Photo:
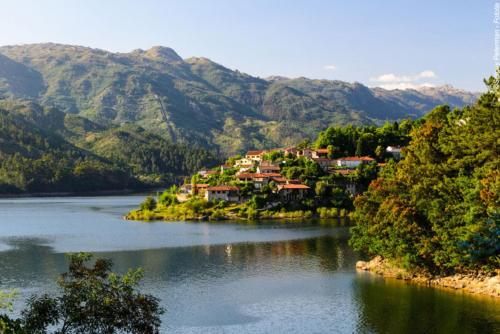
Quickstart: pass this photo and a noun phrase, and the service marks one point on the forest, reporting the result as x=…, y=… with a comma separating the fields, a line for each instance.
x=437, y=208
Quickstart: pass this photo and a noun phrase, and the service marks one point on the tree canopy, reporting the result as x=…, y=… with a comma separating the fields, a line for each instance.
x=92, y=300
x=438, y=207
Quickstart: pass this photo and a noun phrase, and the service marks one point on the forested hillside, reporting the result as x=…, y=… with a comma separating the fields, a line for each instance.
x=438, y=208
x=45, y=150
x=206, y=104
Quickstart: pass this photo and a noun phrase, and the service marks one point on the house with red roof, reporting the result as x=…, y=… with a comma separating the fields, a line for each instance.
x=353, y=162
x=268, y=168
x=292, y=192
x=223, y=193
x=320, y=153
x=255, y=155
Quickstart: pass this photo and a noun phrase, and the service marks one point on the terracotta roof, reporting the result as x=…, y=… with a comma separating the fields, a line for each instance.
x=257, y=152
x=268, y=175
x=212, y=172
x=256, y=175
x=322, y=150
x=279, y=179
x=295, y=186
x=201, y=185
x=245, y=175
x=223, y=188
x=357, y=159
x=270, y=167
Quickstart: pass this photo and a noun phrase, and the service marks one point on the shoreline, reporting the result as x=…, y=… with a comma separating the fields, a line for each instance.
x=232, y=215
x=477, y=283
x=79, y=194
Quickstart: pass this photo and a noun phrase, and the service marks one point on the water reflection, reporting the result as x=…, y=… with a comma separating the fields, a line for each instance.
x=269, y=286
x=395, y=306
x=230, y=278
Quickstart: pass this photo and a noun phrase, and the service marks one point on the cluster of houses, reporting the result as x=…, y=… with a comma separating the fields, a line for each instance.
x=254, y=169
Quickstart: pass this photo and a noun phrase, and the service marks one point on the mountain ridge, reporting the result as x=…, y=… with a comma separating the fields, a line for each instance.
x=205, y=102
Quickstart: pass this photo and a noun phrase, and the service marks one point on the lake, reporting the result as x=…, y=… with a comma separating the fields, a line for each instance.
x=229, y=277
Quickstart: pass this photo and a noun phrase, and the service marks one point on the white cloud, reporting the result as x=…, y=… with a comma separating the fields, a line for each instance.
x=405, y=85
x=330, y=67
x=393, y=81
x=427, y=74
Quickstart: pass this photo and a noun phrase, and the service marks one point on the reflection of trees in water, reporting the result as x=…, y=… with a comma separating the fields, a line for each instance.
x=390, y=306
x=322, y=253
x=31, y=260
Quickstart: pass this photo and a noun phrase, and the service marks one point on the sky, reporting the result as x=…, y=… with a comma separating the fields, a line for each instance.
x=387, y=43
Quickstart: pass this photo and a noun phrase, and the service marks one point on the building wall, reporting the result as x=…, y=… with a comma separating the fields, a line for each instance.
x=228, y=196
x=348, y=163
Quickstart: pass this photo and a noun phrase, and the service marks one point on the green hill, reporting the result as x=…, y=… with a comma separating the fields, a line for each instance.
x=45, y=150
x=206, y=103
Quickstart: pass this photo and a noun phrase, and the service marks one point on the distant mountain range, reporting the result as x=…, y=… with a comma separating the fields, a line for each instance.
x=205, y=103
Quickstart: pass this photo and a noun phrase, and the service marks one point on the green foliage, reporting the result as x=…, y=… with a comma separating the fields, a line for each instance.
x=149, y=204
x=438, y=207
x=366, y=140
x=39, y=153
x=92, y=300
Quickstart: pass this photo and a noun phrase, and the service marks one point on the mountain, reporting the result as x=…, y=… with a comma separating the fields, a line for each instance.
x=206, y=104
x=43, y=149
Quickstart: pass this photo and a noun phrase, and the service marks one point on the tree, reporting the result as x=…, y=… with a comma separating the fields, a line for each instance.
x=148, y=204
x=94, y=300
x=437, y=208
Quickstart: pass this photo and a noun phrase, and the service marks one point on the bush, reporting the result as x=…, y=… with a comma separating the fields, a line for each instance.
x=148, y=204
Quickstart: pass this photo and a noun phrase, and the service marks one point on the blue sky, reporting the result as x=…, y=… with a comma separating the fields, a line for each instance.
x=379, y=43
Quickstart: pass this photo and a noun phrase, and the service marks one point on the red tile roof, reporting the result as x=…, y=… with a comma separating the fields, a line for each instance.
x=295, y=186
x=223, y=188
x=245, y=175
x=256, y=175
x=279, y=179
x=256, y=152
x=269, y=175
x=201, y=185
x=270, y=167
x=322, y=150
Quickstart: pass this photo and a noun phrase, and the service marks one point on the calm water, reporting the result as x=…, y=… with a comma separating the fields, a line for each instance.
x=229, y=278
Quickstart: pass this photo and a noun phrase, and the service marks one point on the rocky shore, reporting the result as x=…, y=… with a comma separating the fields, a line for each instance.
x=478, y=283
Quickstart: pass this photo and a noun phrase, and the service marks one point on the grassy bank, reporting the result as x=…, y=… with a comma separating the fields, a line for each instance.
x=202, y=210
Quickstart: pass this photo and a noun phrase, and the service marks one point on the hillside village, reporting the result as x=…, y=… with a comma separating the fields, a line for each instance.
x=311, y=179
x=256, y=170
x=271, y=183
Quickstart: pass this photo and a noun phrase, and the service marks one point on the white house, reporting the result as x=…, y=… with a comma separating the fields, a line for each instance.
x=268, y=168
x=223, y=193
x=353, y=162
x=320, y=153
x=243, y=162
x=255, y=155
x=291, y=192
